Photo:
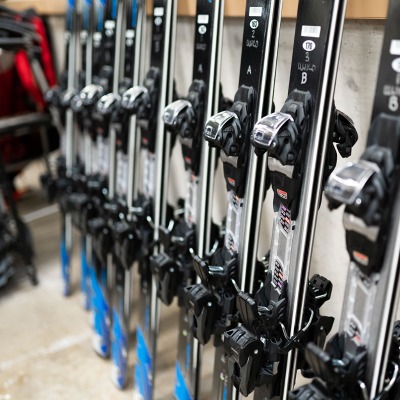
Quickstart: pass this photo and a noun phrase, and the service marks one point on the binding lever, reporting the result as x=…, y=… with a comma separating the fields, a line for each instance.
x=362, y=187
x=282, y=135
x=91, y=94
x=142, y=101
x=182, y=118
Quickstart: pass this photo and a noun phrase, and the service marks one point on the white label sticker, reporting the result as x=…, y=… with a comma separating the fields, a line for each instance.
x=255, y=12
x=158, y=12
x=122, y=174
x=192, y=192
x=309, y=45
x=233, y=221
x=396, y=65
x=395, y=47
x=94, y=157
x=202, y=29
x=203, y=19
x=110, y=24
x=253, y=24
x=311, y=31
x=102, y=155
x=149, y=174
x=130, y=34
x=63, y=145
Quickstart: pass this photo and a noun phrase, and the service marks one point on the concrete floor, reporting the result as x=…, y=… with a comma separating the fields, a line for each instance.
x=45, y=338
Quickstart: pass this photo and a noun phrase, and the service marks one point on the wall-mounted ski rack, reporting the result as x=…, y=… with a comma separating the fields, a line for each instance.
x=356, y=9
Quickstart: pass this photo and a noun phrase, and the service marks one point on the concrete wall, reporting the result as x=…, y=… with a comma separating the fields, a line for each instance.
x=354, y=94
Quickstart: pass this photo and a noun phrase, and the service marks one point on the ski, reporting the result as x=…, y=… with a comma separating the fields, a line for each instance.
x=172, y=268
x=85, y=142
x=211, y=304
x=147, y=104
x=83, y=166
x=362, y=360
x=123, y=232
x=284, y=312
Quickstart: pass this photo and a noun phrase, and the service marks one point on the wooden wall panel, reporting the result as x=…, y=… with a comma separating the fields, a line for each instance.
x=358, y=9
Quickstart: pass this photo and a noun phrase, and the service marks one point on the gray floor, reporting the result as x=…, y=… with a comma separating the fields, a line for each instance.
x=45, y=338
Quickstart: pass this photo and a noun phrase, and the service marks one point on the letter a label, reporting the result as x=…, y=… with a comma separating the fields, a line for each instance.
x=249, y=70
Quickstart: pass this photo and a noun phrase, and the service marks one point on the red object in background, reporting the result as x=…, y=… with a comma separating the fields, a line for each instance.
x=21, y=94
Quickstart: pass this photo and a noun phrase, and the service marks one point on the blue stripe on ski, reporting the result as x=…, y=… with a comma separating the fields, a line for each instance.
x=134, y=14
x=100, y=14
x=65, y=273
x=85, y=278
x=101, y=318
x=114, y=10
x=119, y=352
x=143, y=368
x=188, y=356
x=86, y=14
x=181, y=390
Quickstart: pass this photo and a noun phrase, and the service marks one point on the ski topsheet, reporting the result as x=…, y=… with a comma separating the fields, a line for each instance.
x=211, y=305
x=147, y=104
x=361, y=361
x=173, y=268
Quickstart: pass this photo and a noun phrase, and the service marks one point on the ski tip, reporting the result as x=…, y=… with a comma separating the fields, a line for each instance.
x=119, y=380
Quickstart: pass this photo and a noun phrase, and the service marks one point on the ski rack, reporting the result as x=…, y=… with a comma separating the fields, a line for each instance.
x=172, y=269
x=297, y=139
x=125, y=238
x=149, y=209
x=362, y=360
x=211, y=304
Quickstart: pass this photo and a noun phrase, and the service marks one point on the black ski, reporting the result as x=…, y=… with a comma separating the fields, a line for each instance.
x=362, y=360
x=299, y=140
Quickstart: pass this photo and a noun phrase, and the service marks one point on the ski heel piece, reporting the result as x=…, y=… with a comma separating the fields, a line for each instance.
x=167, y=275
x=202, y=306
x=344, y=134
